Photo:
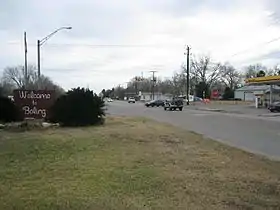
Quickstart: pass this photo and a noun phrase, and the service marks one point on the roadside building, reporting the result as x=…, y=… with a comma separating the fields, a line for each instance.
x=248, y=93
x=275, y=95
x=148, y=96
x=262, y=92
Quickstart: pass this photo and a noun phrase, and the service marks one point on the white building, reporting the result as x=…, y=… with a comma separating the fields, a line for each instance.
x=148, y=96
x=249, y=93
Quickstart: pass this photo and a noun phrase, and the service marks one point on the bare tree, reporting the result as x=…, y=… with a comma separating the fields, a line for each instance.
x=252, y=71
x=6, y=88
x=230, y=76
x=273, y=71
x=203, y=70
x=14, y=76
x=178, y=84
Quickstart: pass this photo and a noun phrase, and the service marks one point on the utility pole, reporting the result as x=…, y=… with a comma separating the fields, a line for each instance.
x=38, y=61
x=153, y=85
x=188, y=74
x=25, y=60
x=136, y=85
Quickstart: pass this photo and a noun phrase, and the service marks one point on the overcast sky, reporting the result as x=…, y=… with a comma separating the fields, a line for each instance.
x=114, y=40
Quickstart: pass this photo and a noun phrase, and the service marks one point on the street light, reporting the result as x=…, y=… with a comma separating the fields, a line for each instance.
x=42, y=41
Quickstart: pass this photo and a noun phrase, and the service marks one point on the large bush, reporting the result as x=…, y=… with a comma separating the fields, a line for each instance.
x=228, y=94
x=78, y=107
x=9, y=112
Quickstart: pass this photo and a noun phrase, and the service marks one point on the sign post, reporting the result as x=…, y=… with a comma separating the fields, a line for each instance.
x=34, y=104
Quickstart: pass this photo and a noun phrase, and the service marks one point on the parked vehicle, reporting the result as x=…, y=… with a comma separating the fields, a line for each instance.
x=275, y=107
x=131, y=100
x=154, y=103
x=174, y=104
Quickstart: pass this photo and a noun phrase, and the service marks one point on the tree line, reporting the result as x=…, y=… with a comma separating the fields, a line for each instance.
x=205, y=75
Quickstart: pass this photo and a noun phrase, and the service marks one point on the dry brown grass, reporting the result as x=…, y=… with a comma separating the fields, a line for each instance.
x=131, y=164
x=231, y=102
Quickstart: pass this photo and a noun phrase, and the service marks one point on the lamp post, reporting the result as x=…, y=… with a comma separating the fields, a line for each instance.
x=41, y=42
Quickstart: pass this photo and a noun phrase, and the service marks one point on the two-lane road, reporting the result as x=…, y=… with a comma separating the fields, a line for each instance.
x=256, y=135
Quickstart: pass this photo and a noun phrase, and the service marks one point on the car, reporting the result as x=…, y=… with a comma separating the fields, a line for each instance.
x=131, y=100
x=275, y=106
x=109, y=100
x=174, y=104
x=155, y=103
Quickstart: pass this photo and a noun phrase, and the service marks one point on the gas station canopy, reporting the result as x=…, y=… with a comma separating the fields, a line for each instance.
x=268, y=80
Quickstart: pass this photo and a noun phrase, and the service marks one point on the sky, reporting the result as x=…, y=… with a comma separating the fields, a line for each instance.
x=112, y=41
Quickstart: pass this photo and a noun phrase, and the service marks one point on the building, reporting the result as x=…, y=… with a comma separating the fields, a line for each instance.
x=275, y=96
x=262, y=90
x=248, y=93
x=148, y=96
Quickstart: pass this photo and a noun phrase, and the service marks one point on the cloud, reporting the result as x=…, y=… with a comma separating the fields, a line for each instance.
x=112, y=41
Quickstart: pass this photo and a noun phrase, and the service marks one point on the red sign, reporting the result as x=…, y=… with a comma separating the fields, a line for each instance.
x=215, y=94
x=34, y=103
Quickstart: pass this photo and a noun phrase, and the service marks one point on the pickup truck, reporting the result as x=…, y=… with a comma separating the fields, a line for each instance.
x=174, y=104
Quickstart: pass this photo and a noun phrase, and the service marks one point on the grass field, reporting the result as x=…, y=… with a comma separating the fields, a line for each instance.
x=232, y=102
x=131, y=164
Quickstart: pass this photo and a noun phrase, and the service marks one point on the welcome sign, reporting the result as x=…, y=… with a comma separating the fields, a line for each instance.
x=34, y=103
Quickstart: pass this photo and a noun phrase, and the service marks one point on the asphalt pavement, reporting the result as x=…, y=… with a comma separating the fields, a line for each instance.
x=260, y=135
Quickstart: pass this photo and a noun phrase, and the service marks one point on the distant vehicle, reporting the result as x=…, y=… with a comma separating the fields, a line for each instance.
x=174, y=104
x=131, y=100
x=109, y=100
x=197, y=98
x=154, y=103
x=191, y=98
x=275, y=107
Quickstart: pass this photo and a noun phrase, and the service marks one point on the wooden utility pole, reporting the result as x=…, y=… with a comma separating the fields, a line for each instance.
x=188, y=75
x=136, y=85
x=25, y=60
x=38, y=61
x=153, y=85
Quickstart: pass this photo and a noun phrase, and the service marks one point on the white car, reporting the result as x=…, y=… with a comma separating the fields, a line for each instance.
x=131, y=100
x=108, y=100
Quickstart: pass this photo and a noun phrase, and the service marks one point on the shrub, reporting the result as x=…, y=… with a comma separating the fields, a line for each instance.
x=78, y=107
x=9, y=112
x=228, y=94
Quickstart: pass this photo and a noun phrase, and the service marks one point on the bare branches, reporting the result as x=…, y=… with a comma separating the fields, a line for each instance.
x=204, y=70
x=14, y=77
x=230, y=76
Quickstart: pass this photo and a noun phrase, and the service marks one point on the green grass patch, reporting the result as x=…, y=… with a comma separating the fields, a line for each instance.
x=131, y=163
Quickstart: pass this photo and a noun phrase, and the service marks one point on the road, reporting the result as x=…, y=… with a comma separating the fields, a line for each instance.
x=254, y=134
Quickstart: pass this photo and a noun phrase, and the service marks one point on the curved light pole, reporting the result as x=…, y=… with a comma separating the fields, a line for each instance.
x=42, y=41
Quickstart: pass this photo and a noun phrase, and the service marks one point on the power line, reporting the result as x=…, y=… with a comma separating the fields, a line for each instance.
x=265, y=43
x=107, y=45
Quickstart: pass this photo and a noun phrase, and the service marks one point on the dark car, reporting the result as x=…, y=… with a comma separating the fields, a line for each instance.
x=154, y=103
x=275, y=107
x=174, y=104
